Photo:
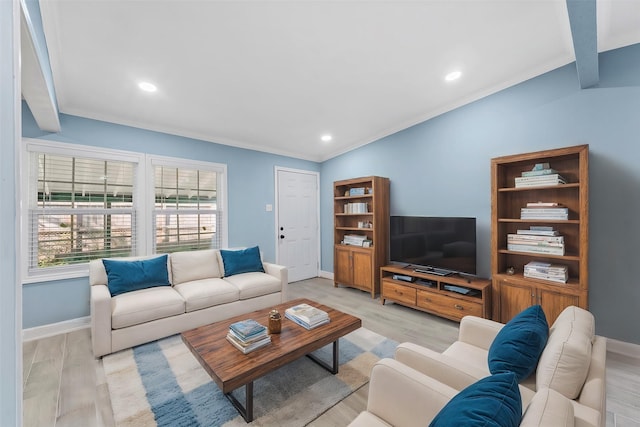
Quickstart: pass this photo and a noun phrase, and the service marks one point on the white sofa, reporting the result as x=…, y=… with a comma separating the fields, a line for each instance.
x=566, y=389
x=199, y=294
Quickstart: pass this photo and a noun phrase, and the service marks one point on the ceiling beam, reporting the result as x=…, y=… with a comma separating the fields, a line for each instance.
x=37, y=89
x=582, y=19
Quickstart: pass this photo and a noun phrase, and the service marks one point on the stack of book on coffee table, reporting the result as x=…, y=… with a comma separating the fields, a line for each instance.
x=248, y=335
x=307, y=316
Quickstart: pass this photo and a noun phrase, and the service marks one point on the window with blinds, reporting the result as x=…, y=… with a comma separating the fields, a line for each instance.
x=87, y=203
x=186, y=214
x=82, y=209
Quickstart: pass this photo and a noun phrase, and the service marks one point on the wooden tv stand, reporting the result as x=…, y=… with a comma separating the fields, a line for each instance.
x=432, y=293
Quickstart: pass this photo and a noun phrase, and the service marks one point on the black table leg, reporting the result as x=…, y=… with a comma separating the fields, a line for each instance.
x=247, y=410
x=333, y=369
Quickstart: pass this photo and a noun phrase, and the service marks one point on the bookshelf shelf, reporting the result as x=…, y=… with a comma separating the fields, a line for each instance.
x=545, y=221
x=535, y=255
x=358, y=266
x=514, y=292
x=566, y=186
x=363, y=196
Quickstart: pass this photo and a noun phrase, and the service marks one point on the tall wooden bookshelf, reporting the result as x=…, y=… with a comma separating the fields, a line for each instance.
x=512, y=291
x=361, y=208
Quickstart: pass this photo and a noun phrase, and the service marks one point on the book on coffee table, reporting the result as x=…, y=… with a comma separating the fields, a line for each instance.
x=248, y=335
x=250, y=346
x=247, y=329
x=307, y=316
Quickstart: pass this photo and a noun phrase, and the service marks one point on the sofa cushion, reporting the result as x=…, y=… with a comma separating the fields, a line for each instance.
x=492, y=401
x=127, y=276
x=581, y=319
x=194, y=265
x=252, y=285
x=241, y=261
x=518, y=345
x=199, y=294
x=465, y=355
x=145, y=305
x=564, y=363
x=548, y=408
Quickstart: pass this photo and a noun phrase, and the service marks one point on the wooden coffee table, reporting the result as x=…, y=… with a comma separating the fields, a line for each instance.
x=230, y=369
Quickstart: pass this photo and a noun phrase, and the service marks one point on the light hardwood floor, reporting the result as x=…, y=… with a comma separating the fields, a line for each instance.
x=65, y=386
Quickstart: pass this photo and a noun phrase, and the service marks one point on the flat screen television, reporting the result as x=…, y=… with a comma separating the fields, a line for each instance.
x=439, y=245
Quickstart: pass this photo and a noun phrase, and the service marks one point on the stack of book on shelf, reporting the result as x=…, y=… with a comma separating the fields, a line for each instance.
x=307, y=316
x=546, y=271
x=534, y=243
x=248, y=335
x=544, y=210
x=354, y=239
x=539, y=230
x=355, y=208
x=541, y=175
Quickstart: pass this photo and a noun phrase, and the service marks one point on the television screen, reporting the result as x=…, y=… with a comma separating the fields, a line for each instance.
x=441, y=244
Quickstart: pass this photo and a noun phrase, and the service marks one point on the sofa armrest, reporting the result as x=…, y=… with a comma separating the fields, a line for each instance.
x=593, y=393
x=100, y=304
x=281, y=272
x=403, y=397
x=478, y=331
x=437, y=366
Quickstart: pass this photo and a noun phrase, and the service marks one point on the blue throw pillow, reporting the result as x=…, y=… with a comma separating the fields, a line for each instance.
x=491, y=402
x=519, y=344
x=241, y=261
x=127, y=276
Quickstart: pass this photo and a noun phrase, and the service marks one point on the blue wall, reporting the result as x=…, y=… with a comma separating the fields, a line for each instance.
x=439, y=167
x=250, y=183
x=442, y=167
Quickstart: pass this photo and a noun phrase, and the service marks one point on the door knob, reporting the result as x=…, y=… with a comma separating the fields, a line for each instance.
x=282, y=236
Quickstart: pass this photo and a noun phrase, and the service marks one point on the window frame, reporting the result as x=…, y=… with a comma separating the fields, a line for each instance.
x=144, y=198
x=179, y=163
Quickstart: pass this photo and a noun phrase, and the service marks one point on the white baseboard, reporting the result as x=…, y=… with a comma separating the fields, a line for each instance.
x=326, y=274
x=624, y=348
x=38, y=332
x=52, y=329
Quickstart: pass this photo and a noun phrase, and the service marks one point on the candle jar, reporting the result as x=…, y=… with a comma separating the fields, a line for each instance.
x=275, y=322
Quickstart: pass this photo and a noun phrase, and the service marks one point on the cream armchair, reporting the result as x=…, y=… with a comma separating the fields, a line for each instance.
x=403, y=397
x=572, y=363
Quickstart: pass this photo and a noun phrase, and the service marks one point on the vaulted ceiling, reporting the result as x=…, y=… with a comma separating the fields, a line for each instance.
x=277, y=75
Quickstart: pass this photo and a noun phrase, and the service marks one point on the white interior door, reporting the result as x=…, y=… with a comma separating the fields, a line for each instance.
x=297, y=222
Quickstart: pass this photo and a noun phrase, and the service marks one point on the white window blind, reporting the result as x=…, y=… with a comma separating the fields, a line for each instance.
x=80, y=209
x=87, y=203
x=187, y=214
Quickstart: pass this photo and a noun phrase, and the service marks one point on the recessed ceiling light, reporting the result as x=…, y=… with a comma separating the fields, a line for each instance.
x=326, y=138
x=454, y=75
x=147, y=87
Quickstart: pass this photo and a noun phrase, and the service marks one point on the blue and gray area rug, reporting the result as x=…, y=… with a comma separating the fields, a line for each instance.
x=162, y=384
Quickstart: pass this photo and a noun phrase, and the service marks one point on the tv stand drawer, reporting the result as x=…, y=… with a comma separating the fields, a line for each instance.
x=399, y=293
x=449, y=306
x=451, y=297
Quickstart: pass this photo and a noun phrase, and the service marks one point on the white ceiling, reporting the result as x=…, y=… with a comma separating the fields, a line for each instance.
x=276, y=75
